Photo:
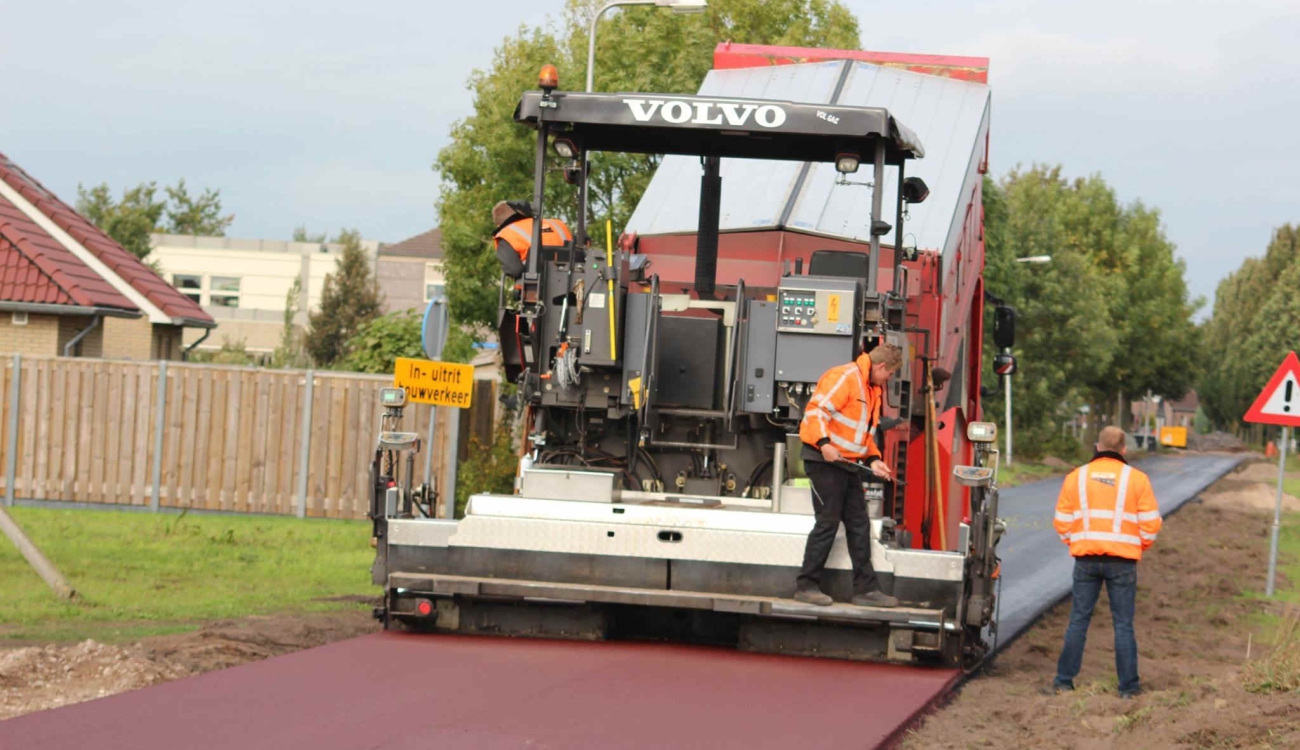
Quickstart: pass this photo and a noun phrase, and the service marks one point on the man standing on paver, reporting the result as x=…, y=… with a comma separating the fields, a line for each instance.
x=836, y=433
x=1108, y=515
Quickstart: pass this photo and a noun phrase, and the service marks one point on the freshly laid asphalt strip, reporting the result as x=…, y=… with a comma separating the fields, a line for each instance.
x=1036, y=565
x=398, y=691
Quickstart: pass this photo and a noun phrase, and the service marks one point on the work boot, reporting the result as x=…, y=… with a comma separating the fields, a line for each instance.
x=813, y=596
x=875, y=598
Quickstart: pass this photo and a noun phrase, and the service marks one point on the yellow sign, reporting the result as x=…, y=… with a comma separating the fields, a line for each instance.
x=437, y=383
x=1174, y=437
x=832, y=308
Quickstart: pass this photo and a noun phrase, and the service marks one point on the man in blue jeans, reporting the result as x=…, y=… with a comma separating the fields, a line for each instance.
x=1108, y=516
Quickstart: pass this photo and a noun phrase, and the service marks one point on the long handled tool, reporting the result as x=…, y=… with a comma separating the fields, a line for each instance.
x=43, y=567
x=609, y=273
x=933, y=477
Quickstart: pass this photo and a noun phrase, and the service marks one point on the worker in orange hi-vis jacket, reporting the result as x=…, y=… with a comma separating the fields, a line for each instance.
x=514, y=235
x=836, y=433
x=1107, y=514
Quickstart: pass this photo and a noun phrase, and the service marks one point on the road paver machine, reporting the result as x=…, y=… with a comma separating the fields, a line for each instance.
x=660, y=491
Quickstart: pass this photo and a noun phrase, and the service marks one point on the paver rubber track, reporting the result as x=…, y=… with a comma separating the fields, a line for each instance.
x=398, y=691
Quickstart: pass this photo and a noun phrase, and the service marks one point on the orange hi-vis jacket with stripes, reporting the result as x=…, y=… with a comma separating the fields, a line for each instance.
x=519, y=235
x=843, y=411
x=1107, y=508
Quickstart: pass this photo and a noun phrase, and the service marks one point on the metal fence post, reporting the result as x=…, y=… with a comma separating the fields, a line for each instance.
x=453, y=453
x=159, y=424
x=11, y=455
x=304, y=455
x=428, y=444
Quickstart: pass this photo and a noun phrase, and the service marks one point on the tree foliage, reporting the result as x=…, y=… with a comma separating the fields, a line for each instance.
x=300, y=234
x=290, y=352
x=196, y=215
x=491, y=158
x=139, y=213
x=1256, y=321
x=349, y=299
x=232, y=352
x=1109, y=314
x=378, y=343
x=130, y=220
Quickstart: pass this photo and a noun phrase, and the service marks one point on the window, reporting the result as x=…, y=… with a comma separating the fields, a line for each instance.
x=432, y=291
x=225, y=291
x=190, y=286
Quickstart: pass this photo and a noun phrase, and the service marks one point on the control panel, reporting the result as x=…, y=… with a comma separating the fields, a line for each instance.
x=816, y=325
x=816, y=311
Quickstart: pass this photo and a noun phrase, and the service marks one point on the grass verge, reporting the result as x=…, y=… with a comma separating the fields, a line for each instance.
x=140, y=574
x=1023, y=472
x=1278, y=634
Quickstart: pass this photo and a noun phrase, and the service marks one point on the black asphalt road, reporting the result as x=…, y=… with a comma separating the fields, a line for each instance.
x=1036, y=565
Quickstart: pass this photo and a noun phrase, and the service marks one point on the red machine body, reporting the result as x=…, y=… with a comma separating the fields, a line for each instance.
x=945, y=294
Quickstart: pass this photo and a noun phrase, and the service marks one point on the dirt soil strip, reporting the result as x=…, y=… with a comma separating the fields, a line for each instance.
x=36, y=678
x=397, y=691
x=1194, y=629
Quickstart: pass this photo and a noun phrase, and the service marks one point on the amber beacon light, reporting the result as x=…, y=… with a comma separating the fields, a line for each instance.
x=549, y=78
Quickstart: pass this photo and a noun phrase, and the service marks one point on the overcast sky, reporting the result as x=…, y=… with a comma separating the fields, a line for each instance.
x=329, y=114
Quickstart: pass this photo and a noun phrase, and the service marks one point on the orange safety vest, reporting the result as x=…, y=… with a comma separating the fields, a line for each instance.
x=844, y=409
x=1092, y=523
x=519, y=235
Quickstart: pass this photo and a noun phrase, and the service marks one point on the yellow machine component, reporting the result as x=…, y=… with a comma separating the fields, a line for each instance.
x=609, y=271
x=634, y=385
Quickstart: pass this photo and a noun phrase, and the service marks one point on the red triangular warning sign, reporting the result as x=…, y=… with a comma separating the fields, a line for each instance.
x=1279, y=402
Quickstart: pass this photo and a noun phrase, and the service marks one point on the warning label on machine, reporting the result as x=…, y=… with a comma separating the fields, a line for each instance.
x=436, y=383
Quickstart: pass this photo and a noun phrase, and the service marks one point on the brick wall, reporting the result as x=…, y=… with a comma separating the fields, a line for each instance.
x=71, y=325
x=40, y=336
x=166, y=342
x=402, y=282
x=128, y=338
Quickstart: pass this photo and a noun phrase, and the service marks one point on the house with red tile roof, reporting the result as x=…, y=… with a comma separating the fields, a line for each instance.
x=68, y=289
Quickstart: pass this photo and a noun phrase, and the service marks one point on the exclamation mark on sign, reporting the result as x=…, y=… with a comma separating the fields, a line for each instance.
x=1290, y=386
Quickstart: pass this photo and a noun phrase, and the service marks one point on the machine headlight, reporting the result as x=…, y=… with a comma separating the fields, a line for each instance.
x=981, y=432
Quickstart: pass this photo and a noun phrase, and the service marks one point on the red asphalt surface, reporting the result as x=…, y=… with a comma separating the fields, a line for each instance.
x=398, y=691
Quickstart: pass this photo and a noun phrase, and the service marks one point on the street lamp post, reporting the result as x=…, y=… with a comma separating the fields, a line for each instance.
x=677, y=6
x=1035, y=259
x=1007, y=377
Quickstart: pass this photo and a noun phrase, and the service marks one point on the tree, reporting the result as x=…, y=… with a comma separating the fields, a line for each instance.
x=1064, y=338
x=378, y=343
x=1109, y=315
x=128, y=221
x=199, y=215
x=300, y=234
x=491, y=158
x=290, y=352
x=1256, y=321
x=349, y=299
x=139, y=213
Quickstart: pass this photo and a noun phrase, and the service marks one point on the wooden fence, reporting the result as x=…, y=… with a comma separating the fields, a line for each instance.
x=213, y=438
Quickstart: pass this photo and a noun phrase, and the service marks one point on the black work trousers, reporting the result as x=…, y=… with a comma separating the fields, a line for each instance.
x=837, y=496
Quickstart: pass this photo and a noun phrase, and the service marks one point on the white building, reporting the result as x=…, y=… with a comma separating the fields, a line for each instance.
x=244, y=284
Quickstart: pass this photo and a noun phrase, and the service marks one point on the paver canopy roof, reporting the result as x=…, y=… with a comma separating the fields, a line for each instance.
x=722, y=126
